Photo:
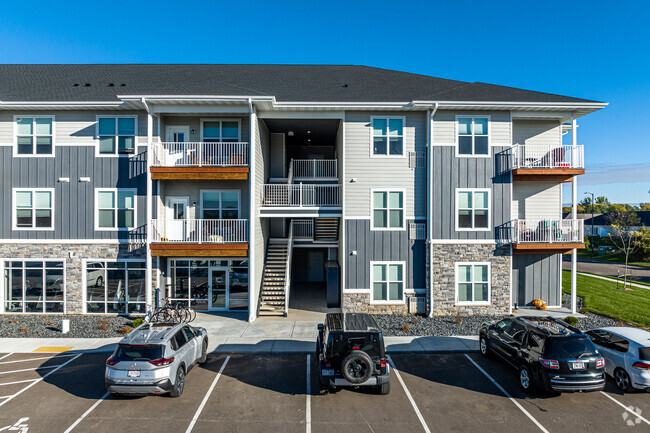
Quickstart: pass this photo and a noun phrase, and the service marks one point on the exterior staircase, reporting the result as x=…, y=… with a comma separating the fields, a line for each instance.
x=273, y=297
x=326, y=229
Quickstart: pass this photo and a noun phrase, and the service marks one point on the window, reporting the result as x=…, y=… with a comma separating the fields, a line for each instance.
x=388, y=136
x=216, y=131
x=33, y=209
x=472, y=283
x=387, y=210
x=473, y=209
x=116, y=134
x=115, y=287
x=34, y=286
x=387, y=281
x=115, y=209
x=473, y=136
x=34, y=136
x=220, y=204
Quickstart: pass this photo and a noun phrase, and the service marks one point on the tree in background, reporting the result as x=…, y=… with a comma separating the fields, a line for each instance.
x=626, y=235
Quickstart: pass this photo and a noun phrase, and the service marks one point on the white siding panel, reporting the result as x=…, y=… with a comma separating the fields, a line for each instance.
x=536, y=132
x=536, y=200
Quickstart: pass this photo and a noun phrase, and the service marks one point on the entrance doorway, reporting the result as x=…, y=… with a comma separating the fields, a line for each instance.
x=176, y=229
x=218, y=289
x=178, y=134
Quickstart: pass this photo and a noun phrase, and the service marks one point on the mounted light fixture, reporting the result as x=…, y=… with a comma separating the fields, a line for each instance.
x=290, y=133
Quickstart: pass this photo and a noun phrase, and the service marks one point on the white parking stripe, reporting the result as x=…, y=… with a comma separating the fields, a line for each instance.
x=541, y=427
x=42, y=378
x=7, y=355
x=308, y=403
x=38, y=359
x=31, y=369
x=408, y=394
x=18, y=381
x=85, y=414
x=627, y=408
x=7, y=396
x=207, y=396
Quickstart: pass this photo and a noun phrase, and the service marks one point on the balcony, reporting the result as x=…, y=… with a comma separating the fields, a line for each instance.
x=546, y=235
x=192, y=160
x=534, y=162
x=199, y=237
x=301, y=195
x=314, y=169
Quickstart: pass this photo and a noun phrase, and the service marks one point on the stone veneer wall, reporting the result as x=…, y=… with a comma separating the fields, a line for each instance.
x=74, y=265
x=443, y=279
x=360, y=303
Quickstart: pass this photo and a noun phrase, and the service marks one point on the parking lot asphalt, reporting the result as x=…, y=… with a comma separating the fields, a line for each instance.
x=56, y=393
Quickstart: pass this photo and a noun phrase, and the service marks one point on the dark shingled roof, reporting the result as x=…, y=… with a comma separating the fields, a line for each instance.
x=288, y=83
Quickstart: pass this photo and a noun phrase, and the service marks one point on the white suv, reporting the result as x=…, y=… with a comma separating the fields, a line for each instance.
x=154, y=359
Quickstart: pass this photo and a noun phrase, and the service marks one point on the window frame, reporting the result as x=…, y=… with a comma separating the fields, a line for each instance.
x=15, y=136
x=372, y=209
x=489, y=283
x=220, y=190
x=84, y=283
x=489, y=210
x=116, y=190
x=3, y=299
x=457, y=134
x=387, y=155
x=220, y=138
x=14, y=209
x=372, y=282
x=117, y=154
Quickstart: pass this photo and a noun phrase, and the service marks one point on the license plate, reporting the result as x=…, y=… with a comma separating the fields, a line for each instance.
x=133, y=373
x=578, y=365
x=325, y=372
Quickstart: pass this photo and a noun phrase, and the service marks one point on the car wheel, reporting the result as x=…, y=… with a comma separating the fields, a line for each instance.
x=622, y=380
x=357, y=367
x=99, y=282
x=484, y=346
x=204, y=352
x=179, y=385
x=384, y=388
x=526, y=380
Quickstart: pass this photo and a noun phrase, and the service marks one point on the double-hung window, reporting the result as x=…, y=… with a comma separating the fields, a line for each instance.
x=116, y=134
x=387, y=136
x=220, y=204
x=472, y=209
x=33, y=209
x=217, y=131
x=34, y=135
x=473, y=136
x=472, y=283
x=387, y=210
x=387, y=282
x=115, y=209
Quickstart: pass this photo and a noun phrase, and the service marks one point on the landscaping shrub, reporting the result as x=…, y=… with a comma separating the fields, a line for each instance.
x=137, y=322
x=573, y=321
x=405, y=327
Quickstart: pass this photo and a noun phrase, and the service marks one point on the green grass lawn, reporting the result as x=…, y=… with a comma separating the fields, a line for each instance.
x=602, y=297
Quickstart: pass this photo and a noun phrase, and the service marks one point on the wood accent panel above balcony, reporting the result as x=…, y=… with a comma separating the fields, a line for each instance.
x=199, y=173
x=166, y=249
x=545, y=174
x=540, y=248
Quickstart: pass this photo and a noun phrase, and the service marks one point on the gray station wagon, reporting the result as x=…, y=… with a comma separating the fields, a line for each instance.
x=154, y=359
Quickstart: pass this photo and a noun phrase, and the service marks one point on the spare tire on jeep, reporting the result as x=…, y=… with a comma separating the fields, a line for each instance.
x=357, y=367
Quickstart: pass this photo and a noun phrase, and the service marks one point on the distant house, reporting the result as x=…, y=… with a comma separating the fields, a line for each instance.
x=601, y=225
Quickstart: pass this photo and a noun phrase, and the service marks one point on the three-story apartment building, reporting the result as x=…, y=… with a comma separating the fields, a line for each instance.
x=242, y=187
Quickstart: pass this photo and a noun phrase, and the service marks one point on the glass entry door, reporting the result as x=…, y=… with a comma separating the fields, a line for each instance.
x=218, y=289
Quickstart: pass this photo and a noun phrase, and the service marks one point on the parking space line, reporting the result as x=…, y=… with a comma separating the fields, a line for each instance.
x=541, y=427
x=207, y=396
x=6, y=356
x=18, y=381
x=31, y=369
x=408, y=394
x=38, y=359
x=308, y=392
x=85, y=414
x=627, y=408
x=39, y=379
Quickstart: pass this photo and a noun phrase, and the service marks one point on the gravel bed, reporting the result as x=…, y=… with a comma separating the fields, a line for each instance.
x=49, y=326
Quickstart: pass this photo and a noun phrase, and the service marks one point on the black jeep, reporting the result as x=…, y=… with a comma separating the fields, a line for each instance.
x=350, y=352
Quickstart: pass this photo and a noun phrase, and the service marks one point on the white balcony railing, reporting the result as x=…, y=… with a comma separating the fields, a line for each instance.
x=547, y=156
x=233, y=154
x=303, y=229
x=300, y=195
x=547, y=231
x=200, y=231
x=314, y=169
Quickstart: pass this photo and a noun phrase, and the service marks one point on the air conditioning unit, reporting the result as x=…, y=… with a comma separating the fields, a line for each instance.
x=417, y=305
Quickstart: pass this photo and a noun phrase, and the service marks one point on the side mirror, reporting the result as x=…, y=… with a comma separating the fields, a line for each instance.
x=321, y=327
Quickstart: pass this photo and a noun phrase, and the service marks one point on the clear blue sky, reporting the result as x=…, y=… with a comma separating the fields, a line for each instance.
x=591, y=49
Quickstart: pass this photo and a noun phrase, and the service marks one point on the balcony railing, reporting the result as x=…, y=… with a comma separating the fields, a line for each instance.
x=547, y=156
x=200, y=231
x=547, y=231
x=299, y=195
x=193, y=154
x=314, y=169
x=303, y=229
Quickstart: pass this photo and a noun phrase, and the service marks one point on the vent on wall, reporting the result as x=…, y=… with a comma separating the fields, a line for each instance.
x=417, y=159
x=417, y=305
x=417, y=231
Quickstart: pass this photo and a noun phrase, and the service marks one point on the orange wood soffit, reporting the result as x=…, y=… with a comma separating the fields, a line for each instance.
x=545, y=248
x=199, y=173
x=545, y=174
x=198, y=250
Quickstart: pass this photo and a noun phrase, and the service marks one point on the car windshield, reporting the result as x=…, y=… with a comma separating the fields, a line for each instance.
x=563, y=347
x=126, y=352
x=644, y=353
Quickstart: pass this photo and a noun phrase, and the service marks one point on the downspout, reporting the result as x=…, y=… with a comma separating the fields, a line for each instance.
x=252, y=216
x=430, y=114
x=149, y=207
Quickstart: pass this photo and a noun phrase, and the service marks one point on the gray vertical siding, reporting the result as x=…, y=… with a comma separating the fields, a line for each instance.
x=536, y=276
x=381, y=245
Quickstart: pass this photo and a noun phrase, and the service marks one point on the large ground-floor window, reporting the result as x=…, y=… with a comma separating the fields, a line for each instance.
x=209, y=284
x=116, y=287
x=34, y=286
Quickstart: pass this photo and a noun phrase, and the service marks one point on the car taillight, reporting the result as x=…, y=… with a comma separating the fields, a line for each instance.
x=550, y=363
x=111, y=361
x=356, y=347
x=327, y=363
x=600, y=362
x=641, y=365
x=162, y=361
x=382, y=363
